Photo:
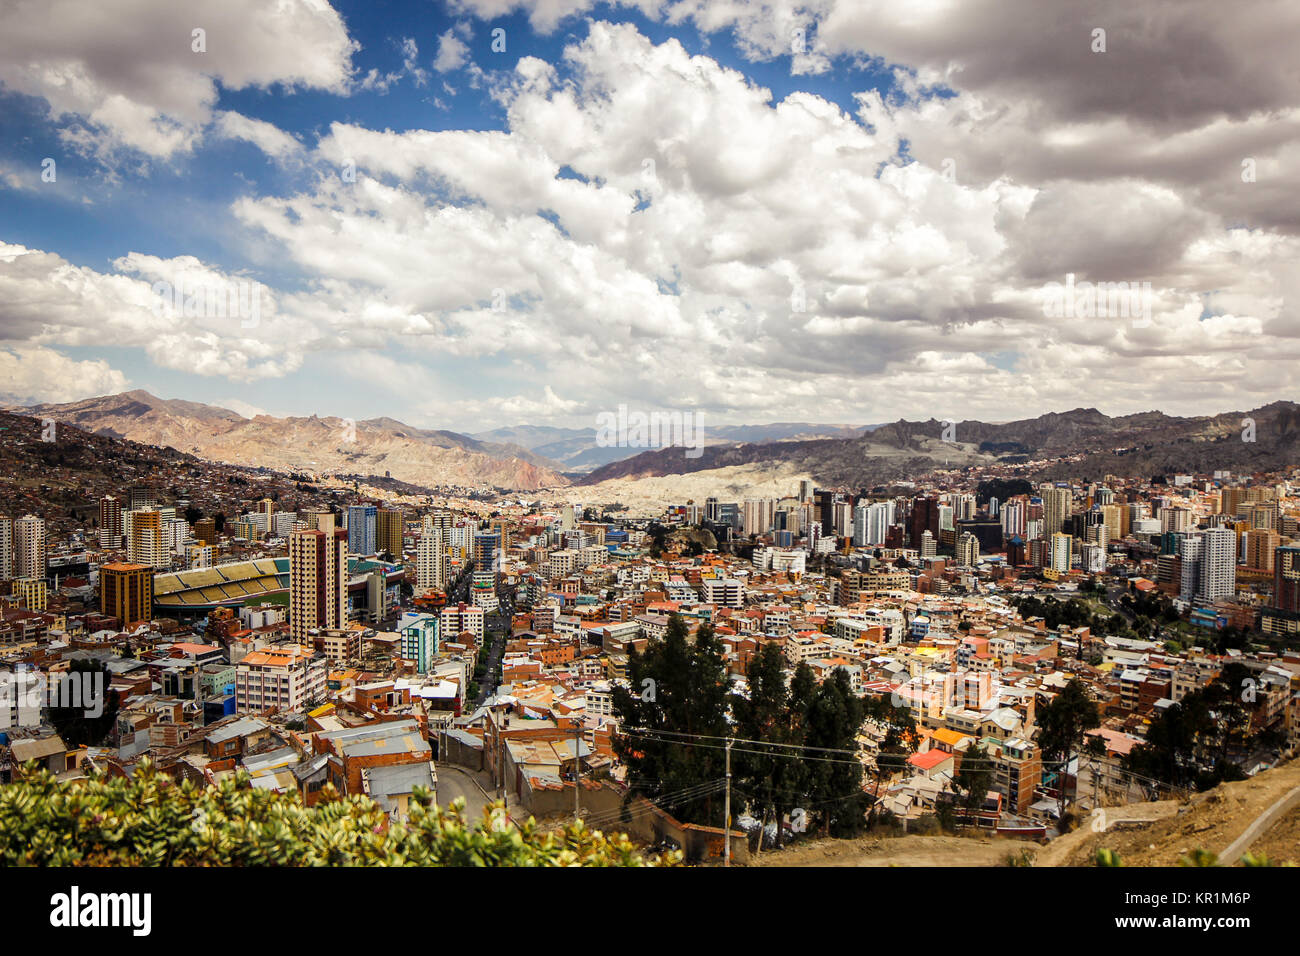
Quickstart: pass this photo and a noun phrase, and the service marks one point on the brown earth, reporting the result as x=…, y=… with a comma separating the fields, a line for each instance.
x=1209, y=821
x=896, y=851
x=1142, y=834
x=1281, y=844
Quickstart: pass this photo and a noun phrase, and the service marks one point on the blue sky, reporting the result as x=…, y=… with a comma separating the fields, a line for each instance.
x=801, y=247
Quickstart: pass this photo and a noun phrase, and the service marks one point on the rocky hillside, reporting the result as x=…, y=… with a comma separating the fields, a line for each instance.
x=1083, y=443
x=319, y=446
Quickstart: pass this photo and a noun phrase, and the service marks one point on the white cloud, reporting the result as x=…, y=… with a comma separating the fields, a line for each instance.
x=184, y=314
x=267, y=137
x=644, y=228
x=35, y=375
x=126, y=74
x=452, y=53
x=680, y=245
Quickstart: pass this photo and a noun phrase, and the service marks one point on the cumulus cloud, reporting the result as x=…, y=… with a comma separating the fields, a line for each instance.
x=184, y=314
x=781, y=250
x=267, y=137
x=34, y=375
x=452, y=53
x=129, y=75
x=652, y=226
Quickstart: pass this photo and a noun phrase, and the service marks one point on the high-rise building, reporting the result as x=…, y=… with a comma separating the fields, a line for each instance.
x=419, y=639
x=1177, y=520
x=110, y=522
x=1057, y=503
x=1209, y=565
x=282, y=678
x=205, y=530
x=928, y=546
x=126, y=592
x=390, y=524
x=461, y=619
x=487, y=551
x=1261, y=544
x=32, y=593
x=757, y=516
x=6, y=548
x=925, y=517
x=141, y=497
x=361, y=528
x=29, y=547
x=968, y=549
x=321, y=521
x=1286, y=578
x=1014, y=519
x=1062, y=547
x=431, y=559
x=318, y=582
x=143, y=537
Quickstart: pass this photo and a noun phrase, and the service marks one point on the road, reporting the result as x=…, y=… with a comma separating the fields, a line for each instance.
x=496, y=631
x=454, y=783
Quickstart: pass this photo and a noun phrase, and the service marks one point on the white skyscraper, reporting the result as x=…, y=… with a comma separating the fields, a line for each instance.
x=1056, y=509
x=871, y=523
x=29, y=547
x=431, y=559
x=1014, y=518
x=1209, y=561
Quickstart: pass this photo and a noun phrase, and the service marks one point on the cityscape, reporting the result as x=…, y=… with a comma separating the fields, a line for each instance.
x=735, y=437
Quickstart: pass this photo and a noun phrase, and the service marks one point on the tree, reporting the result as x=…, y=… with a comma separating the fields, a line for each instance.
x=674, y=719
x=835, y=779
x=1201, y=740
x=898, y=743
x=768, y=779
x=1061, y=726
x=72, y=719
x=973, y=780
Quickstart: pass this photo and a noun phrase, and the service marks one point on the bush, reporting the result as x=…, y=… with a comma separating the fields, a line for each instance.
x=150, y=820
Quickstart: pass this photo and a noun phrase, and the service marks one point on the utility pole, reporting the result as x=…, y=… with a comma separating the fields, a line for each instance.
x=726, y=814
x=501, y=757
x=577, y=769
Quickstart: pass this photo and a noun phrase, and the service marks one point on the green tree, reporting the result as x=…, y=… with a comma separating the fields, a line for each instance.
x=769, y=779
x=1061, y=726
x=835, y=793
x=897, y=743
x=973, y=780
x=73, y=718
x=674, y=718
x=1200, y=741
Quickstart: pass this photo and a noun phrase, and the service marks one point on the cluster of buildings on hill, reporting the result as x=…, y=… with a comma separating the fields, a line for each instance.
x=365, y=645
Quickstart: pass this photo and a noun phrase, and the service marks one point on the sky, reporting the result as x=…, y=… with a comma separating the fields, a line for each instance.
x=468, y=214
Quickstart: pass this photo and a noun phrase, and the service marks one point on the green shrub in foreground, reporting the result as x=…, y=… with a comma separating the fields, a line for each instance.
x=151, y=820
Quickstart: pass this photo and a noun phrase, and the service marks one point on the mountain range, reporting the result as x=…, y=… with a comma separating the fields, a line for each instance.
x=313, y=445
x=1082, y=443
x=576, y=449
